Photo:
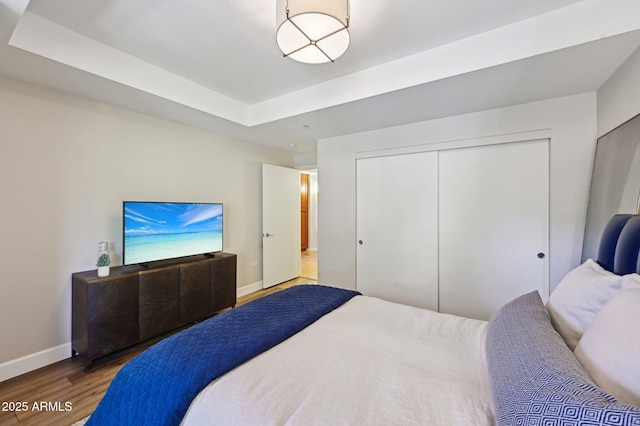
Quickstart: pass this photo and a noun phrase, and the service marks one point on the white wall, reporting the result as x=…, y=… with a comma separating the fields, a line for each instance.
x=66, y=165
x=571, y=121
x=619, y=97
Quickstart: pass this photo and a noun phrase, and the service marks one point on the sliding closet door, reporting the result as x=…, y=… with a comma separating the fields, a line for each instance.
x=397, y=214
x=494, y=225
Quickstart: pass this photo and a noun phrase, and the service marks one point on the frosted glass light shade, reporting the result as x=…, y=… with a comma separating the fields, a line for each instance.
x=312, y=31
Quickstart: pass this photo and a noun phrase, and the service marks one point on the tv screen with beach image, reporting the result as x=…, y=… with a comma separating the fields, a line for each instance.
x=157, y=231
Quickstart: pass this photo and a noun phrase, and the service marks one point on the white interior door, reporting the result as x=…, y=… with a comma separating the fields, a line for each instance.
x=494, y=226
x=280, y=224
x=397, y=228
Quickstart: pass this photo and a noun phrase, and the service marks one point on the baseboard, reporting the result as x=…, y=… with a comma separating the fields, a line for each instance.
x=32, y=362
x=247, y=289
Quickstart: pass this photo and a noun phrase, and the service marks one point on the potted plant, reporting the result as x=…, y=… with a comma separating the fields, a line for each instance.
x=103, y=265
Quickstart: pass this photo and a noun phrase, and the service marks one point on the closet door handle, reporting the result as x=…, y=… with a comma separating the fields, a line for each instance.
x=360, y=242
x=541, y=255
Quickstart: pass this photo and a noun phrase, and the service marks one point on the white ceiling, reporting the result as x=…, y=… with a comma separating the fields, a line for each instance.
x=215, y=64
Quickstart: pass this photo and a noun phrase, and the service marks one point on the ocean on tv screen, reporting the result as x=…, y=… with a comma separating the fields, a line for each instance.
x=156, y=231
x=146, y=248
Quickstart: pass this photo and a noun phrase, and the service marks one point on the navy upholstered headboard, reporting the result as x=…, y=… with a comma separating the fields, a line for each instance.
x=620, y=244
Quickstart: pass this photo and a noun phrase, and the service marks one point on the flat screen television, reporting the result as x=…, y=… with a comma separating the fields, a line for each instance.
x=158, y=231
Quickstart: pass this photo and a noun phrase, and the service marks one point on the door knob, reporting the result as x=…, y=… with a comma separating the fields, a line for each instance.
x=269, y=235
x=360, y=242
x=540, y=255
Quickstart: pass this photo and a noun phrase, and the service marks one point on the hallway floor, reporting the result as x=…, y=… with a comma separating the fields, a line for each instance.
x=309, y=264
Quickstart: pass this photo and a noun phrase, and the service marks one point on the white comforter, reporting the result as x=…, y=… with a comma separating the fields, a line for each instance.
x=368, y=362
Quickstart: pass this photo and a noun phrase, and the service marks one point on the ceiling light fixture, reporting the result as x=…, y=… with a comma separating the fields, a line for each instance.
x=312, y=31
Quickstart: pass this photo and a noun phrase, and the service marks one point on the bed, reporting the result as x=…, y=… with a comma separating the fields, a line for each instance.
x=315, y=354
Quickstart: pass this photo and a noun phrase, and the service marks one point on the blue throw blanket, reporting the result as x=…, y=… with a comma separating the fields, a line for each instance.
x=156, y=387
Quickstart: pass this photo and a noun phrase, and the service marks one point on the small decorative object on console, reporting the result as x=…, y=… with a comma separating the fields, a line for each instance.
x=103, y=259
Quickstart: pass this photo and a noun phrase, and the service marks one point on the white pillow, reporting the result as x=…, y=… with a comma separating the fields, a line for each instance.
x=579, y=297
x=631, y=281
x=610, y=348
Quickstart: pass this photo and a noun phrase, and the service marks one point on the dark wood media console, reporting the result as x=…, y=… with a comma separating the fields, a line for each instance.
x=135, y=303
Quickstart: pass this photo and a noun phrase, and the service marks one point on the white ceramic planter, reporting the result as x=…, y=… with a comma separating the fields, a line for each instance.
x=103, y=271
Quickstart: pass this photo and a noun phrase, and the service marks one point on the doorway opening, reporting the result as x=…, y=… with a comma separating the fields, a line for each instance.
x=309, y=224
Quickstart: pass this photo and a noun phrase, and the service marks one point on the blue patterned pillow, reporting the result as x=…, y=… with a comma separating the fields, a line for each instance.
x=536, y=379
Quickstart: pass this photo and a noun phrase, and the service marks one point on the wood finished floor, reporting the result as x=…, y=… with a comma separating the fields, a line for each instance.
x=66, y=381
x=309, y=264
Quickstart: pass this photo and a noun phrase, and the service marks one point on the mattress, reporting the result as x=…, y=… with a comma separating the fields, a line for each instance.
x=367, y=362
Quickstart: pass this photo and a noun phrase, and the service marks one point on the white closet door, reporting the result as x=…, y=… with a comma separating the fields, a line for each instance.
x=397, y=216
x=494, y=226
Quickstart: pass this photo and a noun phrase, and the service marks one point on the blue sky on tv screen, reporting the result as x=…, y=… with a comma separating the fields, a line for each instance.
x=171, y=218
